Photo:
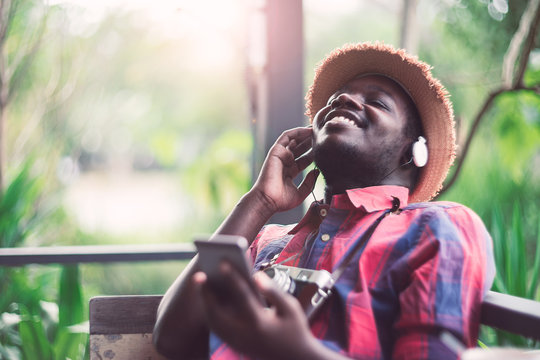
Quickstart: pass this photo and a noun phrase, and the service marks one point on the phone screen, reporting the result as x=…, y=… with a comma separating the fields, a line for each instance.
x=223, y=247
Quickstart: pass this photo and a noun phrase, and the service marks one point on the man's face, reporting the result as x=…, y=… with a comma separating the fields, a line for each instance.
x=362, y=126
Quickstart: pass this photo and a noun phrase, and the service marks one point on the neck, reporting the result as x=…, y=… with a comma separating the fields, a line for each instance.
x=333, y=188
x=341, y=185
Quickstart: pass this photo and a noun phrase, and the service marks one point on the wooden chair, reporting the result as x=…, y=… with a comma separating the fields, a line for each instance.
x=121, y=326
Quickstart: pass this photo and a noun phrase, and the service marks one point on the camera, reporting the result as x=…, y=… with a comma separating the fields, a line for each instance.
x=310, y=287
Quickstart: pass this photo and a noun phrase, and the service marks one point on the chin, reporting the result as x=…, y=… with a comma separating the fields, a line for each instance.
x=336, y=161
x=340, y=161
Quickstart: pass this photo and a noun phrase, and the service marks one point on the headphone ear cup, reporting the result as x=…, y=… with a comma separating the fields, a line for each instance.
x=420, y=152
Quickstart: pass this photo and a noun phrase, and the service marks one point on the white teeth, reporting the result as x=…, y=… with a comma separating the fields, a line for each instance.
x=343, y=119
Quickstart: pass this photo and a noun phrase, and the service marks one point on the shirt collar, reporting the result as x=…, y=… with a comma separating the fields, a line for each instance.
x=373, y=198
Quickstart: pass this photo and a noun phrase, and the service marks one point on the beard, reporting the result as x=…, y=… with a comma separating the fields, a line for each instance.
x=343, y=163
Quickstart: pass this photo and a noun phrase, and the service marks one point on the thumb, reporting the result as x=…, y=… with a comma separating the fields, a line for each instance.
x=309, y=183
x=284, y=303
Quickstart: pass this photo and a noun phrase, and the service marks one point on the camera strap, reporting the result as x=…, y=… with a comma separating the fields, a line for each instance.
x=336, y=274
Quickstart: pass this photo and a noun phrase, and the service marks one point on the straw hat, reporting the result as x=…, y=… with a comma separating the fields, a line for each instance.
x=428, y=94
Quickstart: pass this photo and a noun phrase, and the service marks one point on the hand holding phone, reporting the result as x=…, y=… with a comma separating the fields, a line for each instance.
x=223, y=247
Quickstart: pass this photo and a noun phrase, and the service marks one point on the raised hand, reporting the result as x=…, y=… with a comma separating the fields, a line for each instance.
x=290, y=155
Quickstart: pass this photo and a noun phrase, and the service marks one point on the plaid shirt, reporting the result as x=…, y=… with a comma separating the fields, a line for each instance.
x=423, y=270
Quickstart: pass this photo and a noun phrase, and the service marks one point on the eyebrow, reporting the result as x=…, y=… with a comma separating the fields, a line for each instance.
x=376, y=88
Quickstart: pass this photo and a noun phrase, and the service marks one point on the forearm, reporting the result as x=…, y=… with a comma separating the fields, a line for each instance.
x=247, y=217
x=180, y=325
x=180, y=330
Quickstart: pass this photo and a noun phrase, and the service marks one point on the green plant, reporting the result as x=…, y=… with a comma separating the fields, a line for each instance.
x=19, y=216
x=513, y=255
x=517, y=259
x=55, y=332
x=30, y=327
x=18, y=213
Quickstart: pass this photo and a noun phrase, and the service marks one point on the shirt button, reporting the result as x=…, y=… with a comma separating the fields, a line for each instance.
x=323, y=212
x=325, y=237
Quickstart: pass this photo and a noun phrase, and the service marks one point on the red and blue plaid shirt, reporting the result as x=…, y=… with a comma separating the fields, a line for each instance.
x=423, y=270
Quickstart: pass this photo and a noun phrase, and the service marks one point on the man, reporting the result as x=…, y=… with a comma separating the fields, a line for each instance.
x=423, y=269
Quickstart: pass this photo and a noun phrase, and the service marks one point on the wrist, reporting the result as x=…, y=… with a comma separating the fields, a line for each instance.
x=259, y=203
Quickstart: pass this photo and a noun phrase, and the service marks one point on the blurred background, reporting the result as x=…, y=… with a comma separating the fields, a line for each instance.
x=133, y=122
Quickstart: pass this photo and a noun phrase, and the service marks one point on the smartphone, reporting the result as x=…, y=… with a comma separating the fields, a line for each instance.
x=223, y=247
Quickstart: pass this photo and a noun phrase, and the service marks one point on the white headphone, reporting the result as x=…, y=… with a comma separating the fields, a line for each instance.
x=420, y=152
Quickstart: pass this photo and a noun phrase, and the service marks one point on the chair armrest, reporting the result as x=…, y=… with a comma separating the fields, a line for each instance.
x=123, y=314
x=511, y=313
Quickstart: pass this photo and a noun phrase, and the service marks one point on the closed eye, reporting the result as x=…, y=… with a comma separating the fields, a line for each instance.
x=379, y=104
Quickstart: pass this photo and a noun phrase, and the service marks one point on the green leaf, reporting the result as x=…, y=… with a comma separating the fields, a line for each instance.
x=35, y=344
x=519, y=253
x=498, y=242
x=69, y=344
x=17, y=207
x=9, y=352
x=533, y=286
x=482, y=345
x=70, y=302
x=49, y=318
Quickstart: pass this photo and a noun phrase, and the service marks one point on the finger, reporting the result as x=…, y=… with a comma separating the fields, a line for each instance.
x=244, y=297
x=303, y=161
x=221, y=307
x=284, y=303
x=217, y=315
x=199, y=278
x=302, y=146
x=291, y=145
x=308, y=184
x=282, y=154
x=299, y=134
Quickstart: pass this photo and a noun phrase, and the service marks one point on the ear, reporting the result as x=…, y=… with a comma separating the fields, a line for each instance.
x=406, y=154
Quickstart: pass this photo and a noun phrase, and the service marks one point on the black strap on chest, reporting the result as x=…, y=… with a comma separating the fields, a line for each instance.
x=336, y=274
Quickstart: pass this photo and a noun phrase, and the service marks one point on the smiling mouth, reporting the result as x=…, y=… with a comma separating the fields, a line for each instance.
x=344, y=120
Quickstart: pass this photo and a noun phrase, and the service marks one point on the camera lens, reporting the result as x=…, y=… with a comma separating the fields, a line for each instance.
x=282, y=279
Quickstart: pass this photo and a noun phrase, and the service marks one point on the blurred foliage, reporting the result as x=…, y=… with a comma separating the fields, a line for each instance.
x=18, y=214
x=19, y=217
x=516, y=126
x=518, y=262
x=30, y=327
x=518, y=268
x=54, y=331
x=500, y=177
x=224, y=165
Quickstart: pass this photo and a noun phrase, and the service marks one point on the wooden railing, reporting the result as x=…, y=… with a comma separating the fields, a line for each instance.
x=94, y=254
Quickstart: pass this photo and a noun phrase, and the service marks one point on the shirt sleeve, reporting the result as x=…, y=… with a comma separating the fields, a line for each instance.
x=269, y=242
x=448, y=270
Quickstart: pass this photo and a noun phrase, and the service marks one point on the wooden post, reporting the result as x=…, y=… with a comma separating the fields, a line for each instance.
x=409, y=27
x=275, y=76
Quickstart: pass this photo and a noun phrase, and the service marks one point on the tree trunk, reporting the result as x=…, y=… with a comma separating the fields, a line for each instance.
x=5, y=12
x=409, y=27
x=3, y=103
x=2, y=144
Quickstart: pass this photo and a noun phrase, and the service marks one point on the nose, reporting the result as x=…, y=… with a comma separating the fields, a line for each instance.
x=346, y=100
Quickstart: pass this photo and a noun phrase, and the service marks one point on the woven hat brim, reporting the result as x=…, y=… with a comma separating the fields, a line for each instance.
x=428, y=94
